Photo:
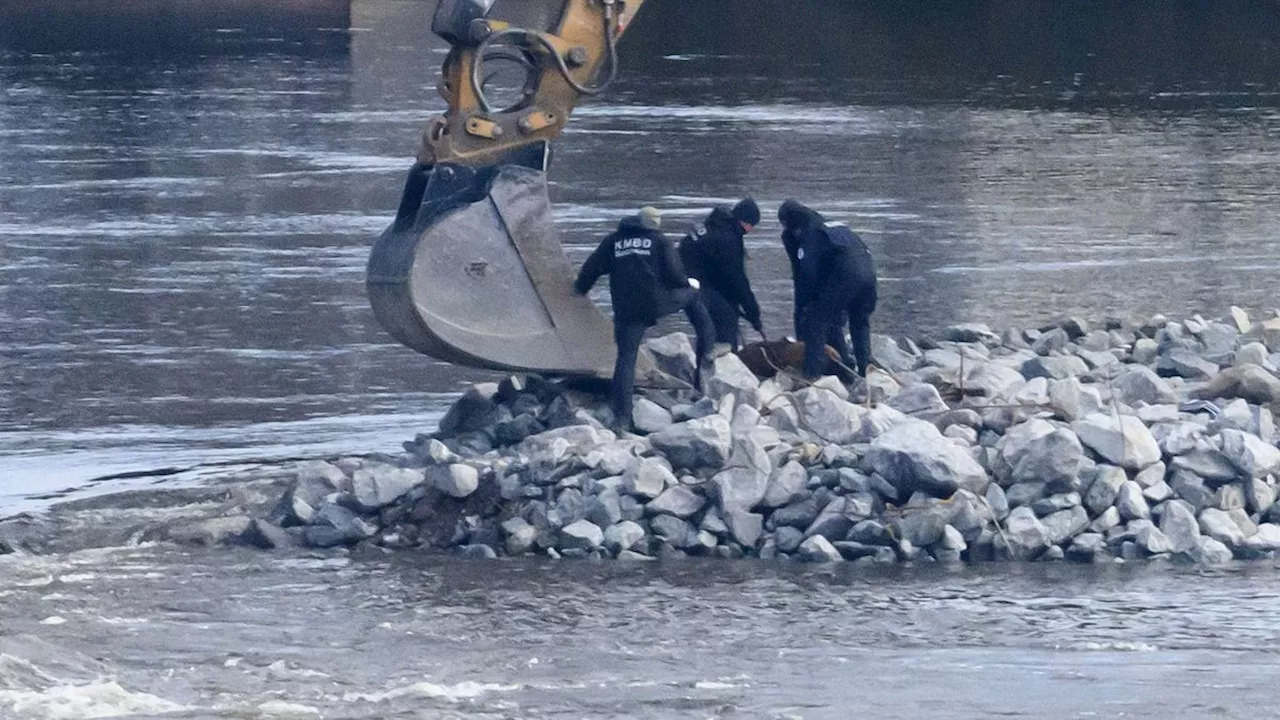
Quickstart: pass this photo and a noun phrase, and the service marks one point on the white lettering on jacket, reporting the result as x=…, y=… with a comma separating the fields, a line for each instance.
x=632, y=246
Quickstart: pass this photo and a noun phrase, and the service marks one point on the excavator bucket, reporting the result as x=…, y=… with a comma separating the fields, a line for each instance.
x=472, y=272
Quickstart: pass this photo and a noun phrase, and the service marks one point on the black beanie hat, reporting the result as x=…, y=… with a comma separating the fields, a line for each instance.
x=747, y=211
x=791, y=213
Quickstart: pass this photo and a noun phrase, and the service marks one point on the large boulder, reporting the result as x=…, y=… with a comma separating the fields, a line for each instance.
x=1250, y=454
x=520, y=536
x=316, y=481
x=456, y=480
x=1131, y=502
x=788, y=483
x=731, y=376
x=231, y=530
x=649, y=417
x=1025, y=536
x=694, y=444
x=817, y=548
x=835, y=520
x=623, y=536
x=1015, y=444
x=1206, y=462
x=475, y=411
x=1072, y=400
x=574, y=439
x=1057, y=367
x=1178, y=438
x=919, y=400
x=923, y=526
x=1105, y=488
x=1142, y=384
x=739, y=488
x=915, y=456
x=337, y=525
x=744, y=527
x=888, y=354
x=825, y=414
x=991, y=380
x=1065, y=524
x=647, y=478
x=1209, y=551
x=1054, y=459
x=581, y=535
x=673, y=354
x=1178, y=523
x=679, y=501
x=1180, y=362
x=1124, y=441
x=971, y=333
x=1218, y=525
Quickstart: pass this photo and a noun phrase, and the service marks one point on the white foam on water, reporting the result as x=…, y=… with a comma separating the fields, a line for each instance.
x=853, y=119
x=123, y=620
x=37, y=582
x=280, y=708
x=716, y=685
x=76, y=578
x=95, y=700
x=465, y=690
x=54, y=620
x=1116, y=646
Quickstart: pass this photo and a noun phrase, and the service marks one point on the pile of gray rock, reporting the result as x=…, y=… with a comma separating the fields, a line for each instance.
x=1138, y=439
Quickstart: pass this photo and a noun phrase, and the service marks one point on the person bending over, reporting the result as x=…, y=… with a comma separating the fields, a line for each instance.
x=714, y=254
x=834, y=278
x=646, y=282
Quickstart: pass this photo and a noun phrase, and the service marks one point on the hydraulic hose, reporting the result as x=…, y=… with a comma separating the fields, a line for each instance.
x=611, y=42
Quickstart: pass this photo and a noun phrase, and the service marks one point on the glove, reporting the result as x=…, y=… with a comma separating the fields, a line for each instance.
x=758, y=327
x=693, y=283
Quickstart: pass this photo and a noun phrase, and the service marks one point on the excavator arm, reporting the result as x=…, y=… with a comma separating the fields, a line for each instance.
x=471, y=270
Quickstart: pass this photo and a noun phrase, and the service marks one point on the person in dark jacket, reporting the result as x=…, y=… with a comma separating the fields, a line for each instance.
x=714, y=254
x=834, y=278
x=646, y=282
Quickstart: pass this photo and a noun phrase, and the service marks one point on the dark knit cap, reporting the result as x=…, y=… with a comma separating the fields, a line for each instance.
x=747, y=211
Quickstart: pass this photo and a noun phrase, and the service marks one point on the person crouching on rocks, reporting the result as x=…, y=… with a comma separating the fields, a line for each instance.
x=834, y=277
x=646, y=282
x=715, y=255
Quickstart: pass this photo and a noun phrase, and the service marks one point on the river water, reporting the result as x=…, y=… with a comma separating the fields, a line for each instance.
x=188, y=192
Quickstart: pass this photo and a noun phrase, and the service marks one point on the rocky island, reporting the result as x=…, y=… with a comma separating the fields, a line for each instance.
x=1113, y=441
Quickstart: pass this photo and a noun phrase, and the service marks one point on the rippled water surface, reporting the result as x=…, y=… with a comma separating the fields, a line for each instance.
x=250, y=636
x=188, y=192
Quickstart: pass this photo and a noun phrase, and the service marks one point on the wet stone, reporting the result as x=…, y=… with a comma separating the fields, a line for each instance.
x=1086, y=548
x=789, y=539
x=1054, y=503
x=818, y=549
x=1179, y=524
x=1025, y=534
x=623, y=536
x=581, y=535
x=679, y=501
x=1065, y=524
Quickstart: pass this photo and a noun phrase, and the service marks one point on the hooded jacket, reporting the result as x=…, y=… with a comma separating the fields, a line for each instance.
x=644, y=271
x=822, y=254
x=715, y=254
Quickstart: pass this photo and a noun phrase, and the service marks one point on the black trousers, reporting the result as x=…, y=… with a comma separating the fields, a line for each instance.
x=724, y=316
x=628, y=334
x=821, y=323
